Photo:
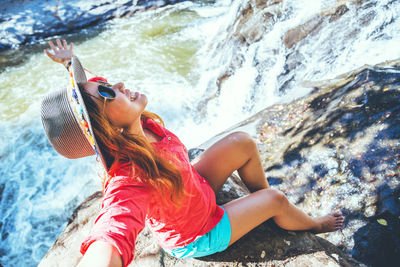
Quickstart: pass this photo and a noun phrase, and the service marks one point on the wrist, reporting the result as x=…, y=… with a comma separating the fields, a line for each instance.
x=67, y=64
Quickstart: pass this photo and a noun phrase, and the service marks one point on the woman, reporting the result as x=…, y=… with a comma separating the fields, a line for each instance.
x=149, y=177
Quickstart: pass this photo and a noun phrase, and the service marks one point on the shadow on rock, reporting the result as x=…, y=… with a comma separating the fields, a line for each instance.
x=378, y=242
x=340, y=146
x=350, y=109
x=268, y=242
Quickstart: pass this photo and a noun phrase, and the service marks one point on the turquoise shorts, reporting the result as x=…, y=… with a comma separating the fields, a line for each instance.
x=214, y=241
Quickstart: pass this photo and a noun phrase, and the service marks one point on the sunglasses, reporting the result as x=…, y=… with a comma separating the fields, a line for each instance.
x=105, y=90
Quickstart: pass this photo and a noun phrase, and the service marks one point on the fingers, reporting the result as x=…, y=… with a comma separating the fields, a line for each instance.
x=59, y=44
x=52, y=46
x=61, y=51
x=71, y=47
x=65, y=46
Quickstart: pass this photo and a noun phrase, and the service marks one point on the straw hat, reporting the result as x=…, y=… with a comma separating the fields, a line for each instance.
x=66, y=120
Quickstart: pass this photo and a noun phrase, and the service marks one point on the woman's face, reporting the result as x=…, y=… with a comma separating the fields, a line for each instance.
x=122, y=111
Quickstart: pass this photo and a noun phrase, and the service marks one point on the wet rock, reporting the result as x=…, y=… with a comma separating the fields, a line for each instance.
x=254, y=21
x=194, y=152
x=338, y=149
x=340, y=11
x=29, y=21
x=274, y=181
x=2, y=186
x=382, y=231
x=293, y=36
x=378, y=242
x=312, y=26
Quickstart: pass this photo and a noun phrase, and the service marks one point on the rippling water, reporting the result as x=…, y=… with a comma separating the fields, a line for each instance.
x=174, y=55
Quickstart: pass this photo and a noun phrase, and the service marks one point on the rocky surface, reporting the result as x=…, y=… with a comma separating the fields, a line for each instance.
x=264, y=246
x=254, y=20
x=335, y=149
x=28, y=21
x=338, y=149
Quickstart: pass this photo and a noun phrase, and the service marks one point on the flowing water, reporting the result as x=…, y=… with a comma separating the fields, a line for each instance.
x=174, y=55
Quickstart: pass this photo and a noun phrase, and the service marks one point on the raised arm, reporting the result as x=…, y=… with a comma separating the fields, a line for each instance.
x=63, y=54
x=101, y=254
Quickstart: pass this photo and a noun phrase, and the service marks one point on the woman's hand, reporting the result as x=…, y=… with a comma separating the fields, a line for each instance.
x=62, y=54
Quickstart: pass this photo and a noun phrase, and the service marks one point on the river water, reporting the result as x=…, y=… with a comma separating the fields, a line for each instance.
x=174, y=55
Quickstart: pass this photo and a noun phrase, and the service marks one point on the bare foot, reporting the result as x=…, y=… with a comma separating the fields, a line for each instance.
x=329, y=223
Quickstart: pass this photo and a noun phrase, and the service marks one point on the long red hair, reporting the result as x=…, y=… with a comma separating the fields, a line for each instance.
x=121, y=147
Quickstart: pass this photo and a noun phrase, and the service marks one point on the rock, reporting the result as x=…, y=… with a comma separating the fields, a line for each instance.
x=338, y=149
x=65, y=251
x=381, y=231
x=377, y=243
x=28, y=21
x=267, y=244
x=312, y=26
x=293, y=36
x=340, y=11
x=254, y=21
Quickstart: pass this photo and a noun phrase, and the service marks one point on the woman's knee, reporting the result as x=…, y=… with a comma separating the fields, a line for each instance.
x=277, y=197
x=244, y=140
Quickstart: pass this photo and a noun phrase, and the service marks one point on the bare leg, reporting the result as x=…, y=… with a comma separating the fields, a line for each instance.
x=250, y=211
x=237, y=151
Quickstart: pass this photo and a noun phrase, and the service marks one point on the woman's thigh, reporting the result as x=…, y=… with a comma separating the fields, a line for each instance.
x=220, y=160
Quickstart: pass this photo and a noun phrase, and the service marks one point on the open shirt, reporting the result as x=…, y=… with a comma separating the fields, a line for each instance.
x=128, y=204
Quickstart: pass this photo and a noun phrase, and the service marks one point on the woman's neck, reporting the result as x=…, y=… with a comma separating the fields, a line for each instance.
x=137, y=129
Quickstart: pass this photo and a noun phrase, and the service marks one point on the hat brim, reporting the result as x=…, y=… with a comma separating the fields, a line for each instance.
x=78, y=75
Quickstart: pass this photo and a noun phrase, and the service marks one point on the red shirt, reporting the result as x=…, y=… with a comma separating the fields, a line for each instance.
x=128, y=204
